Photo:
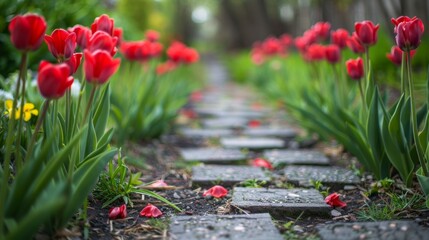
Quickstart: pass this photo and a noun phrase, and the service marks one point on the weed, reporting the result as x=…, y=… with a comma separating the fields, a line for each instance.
x=118, y=182
x=253, y=183
x=319, y=187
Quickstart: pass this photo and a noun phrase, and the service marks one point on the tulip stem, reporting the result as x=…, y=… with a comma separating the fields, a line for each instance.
x=37, y=128
x=9, y=140
x=91, y=98
x=419, y=150
x=403, y=70
x=362, y=96
x=23, y=73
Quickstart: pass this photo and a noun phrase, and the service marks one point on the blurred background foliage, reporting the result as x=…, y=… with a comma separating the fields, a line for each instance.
x=229, y=26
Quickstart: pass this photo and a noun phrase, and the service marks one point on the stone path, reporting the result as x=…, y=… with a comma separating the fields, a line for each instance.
x=224, y=115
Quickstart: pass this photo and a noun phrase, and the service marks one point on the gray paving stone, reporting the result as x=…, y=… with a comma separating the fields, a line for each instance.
x=386, y=230
x=224, y=227
x=252, y=143
x=281, y=203
x=229, y=122
x=285, y=133
x=205, y=133
x=208, y=175
x=334, y=177
x=296, y=157
x=212, y=155
x=230, y=113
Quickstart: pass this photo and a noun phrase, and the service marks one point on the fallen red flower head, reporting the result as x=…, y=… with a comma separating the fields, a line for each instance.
x=260, y=162
x=150, y=211
x=216, y=191
x=334, y=200
x=118, y=212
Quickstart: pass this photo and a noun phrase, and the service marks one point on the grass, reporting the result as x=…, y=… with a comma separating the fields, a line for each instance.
x=253, y=183
x=394, y=206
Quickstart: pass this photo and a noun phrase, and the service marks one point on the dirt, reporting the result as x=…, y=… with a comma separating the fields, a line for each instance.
x=161, y=161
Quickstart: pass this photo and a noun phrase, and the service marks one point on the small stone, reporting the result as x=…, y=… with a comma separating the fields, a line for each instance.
x=176, y=196
x=335, y=213
x=356, y=227
x=404, y=228
x=298, y=229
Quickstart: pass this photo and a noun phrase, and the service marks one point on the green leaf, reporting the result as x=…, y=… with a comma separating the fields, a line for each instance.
x=84, y=180
x=102, y=112
x=154, y=195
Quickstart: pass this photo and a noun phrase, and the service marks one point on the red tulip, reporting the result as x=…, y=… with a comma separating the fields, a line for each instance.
x=332, y=53
x=339, y=37
x=174, y=52
x=366, y=31
x=301, y=43
x=190, y=55
x=322, y=30
x=354, y=44
x=99, y=66
x=53, y=79
x=260, y=162
x=61, y=44
x=141, y=50
x=152, y=35
x=83, y=34
x=272, y=46
x=118, y=212
x=118, y=33
x=355, y=68
x=408, y=32
x=27, y=31
x=178, y=52
x=74, y=62
x=315, y=52
x=286, y=40
x=334, y=200
x=103, y=23
x=103, y=41
x=216, y=191
x=395, y=55
x=150, y=211
x=398, y=20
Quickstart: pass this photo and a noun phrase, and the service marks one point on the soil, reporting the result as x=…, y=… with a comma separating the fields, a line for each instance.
x=161, y=161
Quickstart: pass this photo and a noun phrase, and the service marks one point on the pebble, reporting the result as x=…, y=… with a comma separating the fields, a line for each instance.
x=349, y=187
x=335, y=213
x=175, y=195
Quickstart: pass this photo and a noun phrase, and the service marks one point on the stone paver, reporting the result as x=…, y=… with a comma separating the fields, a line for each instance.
x=229, y=122
x=281, y=203
x=230, y=113
x=224, y=227
x=386, y=230
x=205, y=133
x=286, y=133
x=334, y=177
x=209, y=175
x=212, y=155
x=252, y=143
x=296, y=157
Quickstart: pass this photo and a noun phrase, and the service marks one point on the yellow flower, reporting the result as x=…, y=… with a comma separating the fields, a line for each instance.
x=28, y=111
x=9, y=105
